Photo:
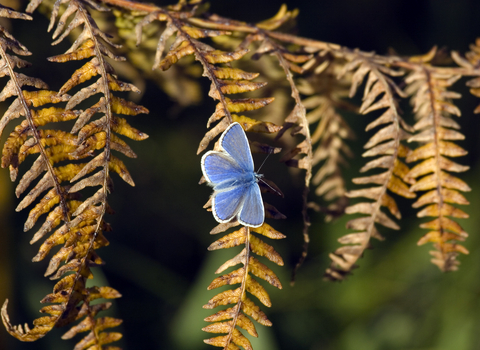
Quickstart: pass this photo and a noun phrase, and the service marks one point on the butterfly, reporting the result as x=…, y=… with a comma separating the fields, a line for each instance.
x=235, y=183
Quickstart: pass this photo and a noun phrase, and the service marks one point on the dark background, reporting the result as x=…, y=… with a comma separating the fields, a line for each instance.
x=157, y=257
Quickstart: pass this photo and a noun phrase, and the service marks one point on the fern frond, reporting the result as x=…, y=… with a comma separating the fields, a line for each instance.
x=217, y=67
x=379, y=94
x=297, y=117
x=471, y=62
x=25, y=138
x=181, y=82
x=83, y=230
x=325, y=94
x=227, y=80
x=243, y=305
x=28, y=139
x=435, y=132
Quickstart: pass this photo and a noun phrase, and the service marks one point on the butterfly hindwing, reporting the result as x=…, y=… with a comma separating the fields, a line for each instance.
x=252, y=214
x=235, y=143
x=227, y=204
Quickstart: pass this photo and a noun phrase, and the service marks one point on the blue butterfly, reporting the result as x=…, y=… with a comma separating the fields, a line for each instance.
x=235, y=184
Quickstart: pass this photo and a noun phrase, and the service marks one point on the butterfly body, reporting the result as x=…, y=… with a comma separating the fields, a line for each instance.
x=235, y=184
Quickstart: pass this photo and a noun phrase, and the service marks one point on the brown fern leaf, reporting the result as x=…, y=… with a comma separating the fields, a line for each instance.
x=7, y=12
x=325, y=93
x=227, y=320
x=217, y=67
x=380, y=94
x=83, y=230
x=243, y=305
x=52, y=146
x=297, y=117
x=472, y=62
x=181, y=82
x=435, y=132
x=259, y=33
x=227, y=80
x=27, y=139
x=325, y=99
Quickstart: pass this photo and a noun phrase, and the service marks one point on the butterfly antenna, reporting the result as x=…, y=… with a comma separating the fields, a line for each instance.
x=274, y=190
x=268, y=155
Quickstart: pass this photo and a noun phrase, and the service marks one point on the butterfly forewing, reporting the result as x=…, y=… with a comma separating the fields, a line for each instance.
x=220, y=168
x=252, y=213
x=235, y=143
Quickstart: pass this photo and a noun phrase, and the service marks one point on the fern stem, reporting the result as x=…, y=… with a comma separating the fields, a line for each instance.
x=132, y=5
x=243, y=287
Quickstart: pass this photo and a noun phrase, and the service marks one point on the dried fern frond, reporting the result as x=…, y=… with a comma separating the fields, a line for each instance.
x=227, y=320
x=26, y=139
x=321, y=87
x=435, y=132
x=297, y=117
x=472, y=63
x=7, y=12
x=180, y=82
x=227, y=80
x=82, y=231
x=259, y=34
x=325, y=98
x=217, y=67
x=380, y=94
x=52, y=146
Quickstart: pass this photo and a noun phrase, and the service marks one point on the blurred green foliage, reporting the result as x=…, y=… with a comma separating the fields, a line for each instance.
x=158, y=259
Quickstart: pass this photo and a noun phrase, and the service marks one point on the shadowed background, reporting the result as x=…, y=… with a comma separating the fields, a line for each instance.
x=158, y=259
